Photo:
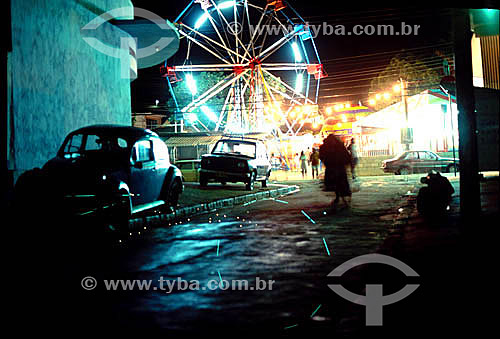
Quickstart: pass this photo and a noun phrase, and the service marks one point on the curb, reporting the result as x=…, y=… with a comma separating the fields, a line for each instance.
x=159, y=219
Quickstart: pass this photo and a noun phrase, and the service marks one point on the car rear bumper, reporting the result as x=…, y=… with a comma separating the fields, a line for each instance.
x=224, y=176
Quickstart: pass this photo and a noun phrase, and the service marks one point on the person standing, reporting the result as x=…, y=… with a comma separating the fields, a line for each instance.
x=335, y=157
x=314, y=160
x=353, y=150
x=303, y=164
x=308, y=153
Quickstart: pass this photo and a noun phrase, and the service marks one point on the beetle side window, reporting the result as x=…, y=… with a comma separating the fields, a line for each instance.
x=160, y=150
x=74, y=144
x=142, y=151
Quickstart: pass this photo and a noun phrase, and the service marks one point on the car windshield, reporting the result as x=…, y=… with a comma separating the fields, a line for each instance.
x=247, y=149
x=78, y=144
x=406, y=155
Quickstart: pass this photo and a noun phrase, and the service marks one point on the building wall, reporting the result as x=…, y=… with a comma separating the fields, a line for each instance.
x=477, y=63
x=488, y=111
x=490, y=54
x=58, y=82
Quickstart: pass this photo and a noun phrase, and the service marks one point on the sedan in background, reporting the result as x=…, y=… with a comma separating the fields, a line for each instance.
x=419, y=162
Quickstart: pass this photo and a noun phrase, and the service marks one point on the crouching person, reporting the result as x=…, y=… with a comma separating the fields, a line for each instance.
x=434, y=199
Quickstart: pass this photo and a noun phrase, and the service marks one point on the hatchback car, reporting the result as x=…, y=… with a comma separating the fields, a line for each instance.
x=236, y=160
x=109, y=171
x=419, y=162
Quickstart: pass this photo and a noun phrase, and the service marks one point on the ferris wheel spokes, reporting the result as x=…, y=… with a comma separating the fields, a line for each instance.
x=256, y=90
x=234, y=33
x=235, y=67
x=214, y=26
x=280, y=43
x=284, y=84
x=219, y=87
x=228, y=50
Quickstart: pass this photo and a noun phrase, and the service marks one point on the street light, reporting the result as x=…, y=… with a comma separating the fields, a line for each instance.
x=296, y=52
x=205, y=16
x=209, y=113
x=191, y=84
x=299, y=83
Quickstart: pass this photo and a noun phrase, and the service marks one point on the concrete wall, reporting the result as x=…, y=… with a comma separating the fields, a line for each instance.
x=58, y=82
x=369, y=166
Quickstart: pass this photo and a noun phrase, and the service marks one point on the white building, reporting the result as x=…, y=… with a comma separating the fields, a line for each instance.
x=430, y=116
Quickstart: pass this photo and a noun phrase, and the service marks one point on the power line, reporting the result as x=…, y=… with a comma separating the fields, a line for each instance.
x=386, y=52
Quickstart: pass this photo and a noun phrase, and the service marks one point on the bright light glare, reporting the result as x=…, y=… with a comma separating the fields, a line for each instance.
x=209, y=113
x=296, y=52
x=191, y=117
x=226, y=4
x=201, y=20
x=191, y=84
x=204, y=16
x=299, y=84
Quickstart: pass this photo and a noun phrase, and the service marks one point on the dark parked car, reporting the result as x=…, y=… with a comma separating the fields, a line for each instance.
x=419, y=162
x=236, y=160
x=108, y=171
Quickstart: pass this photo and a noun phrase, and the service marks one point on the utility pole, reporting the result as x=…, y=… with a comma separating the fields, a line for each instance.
x=404, y=97
x=470, y=203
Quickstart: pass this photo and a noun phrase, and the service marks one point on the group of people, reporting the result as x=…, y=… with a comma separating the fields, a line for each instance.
x=311, y=158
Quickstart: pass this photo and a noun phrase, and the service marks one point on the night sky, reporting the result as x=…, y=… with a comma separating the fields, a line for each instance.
x=350, y=61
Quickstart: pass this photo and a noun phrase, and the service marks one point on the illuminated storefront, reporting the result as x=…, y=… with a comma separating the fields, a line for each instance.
x=431, y=118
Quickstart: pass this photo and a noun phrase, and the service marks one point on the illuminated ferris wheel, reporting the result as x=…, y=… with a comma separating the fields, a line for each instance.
x=268, y=57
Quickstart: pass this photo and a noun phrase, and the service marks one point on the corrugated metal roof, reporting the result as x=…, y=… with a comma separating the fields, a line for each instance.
x=192, y=140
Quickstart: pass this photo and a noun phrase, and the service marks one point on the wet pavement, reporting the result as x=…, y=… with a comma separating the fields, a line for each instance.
x=283, y=248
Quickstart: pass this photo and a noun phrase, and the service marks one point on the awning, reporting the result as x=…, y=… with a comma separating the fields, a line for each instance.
x=437, y=96
x=179, y=141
